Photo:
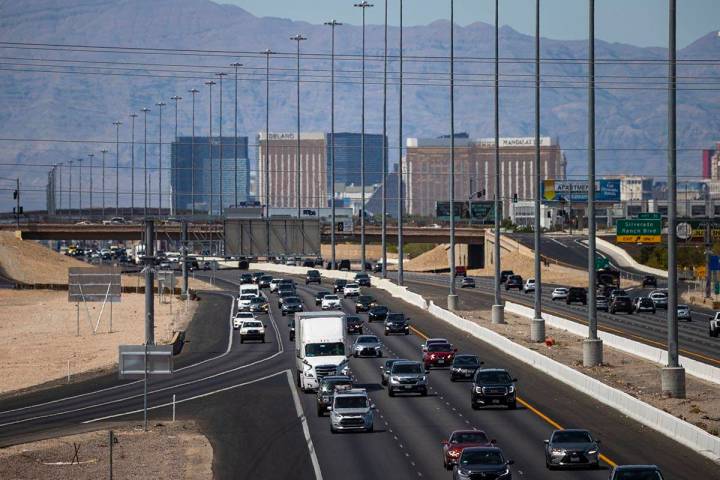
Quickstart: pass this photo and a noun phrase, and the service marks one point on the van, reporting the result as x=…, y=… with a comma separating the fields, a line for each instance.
x=249, y=288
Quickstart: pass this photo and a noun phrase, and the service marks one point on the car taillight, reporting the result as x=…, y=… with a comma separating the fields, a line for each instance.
x=454, y=452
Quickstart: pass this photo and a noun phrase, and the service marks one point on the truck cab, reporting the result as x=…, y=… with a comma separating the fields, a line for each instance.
x=715, y=325
x=320, y=347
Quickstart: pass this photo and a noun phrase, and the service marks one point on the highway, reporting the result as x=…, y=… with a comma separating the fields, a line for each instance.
x=245, y=403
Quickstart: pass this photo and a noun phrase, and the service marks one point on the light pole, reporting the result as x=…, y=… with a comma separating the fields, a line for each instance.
x=592, y=346
x=60, y=188
x=220, y=75
x=70, y=189
x=298, y=38
x=673, y=374
x=400, y=150
x=117, y=124
x=145, y=212
x=194, y=91
x=498, y=309
x=384, y=152
x=160, y=105
x=236, y=65
x=333, y=23
x=267, y=54
x=80, y=207
x=132, y=164
x=452, y=296
x=210, y=84
x=363, y=5
x=537, y=327
x=91, y=156
x=174, y=194
x=103, y=151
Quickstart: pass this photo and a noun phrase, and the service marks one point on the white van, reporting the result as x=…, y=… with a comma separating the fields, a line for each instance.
x=249, y=288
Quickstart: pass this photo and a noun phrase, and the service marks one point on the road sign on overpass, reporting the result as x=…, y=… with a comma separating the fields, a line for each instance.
x=638, y=230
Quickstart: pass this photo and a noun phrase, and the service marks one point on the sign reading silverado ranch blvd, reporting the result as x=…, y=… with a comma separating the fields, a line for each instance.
x=638, y=231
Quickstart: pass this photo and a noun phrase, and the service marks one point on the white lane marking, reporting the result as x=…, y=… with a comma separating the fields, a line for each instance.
x=306, y=430
x=281, y=349
x=553, y=240
x=195, y=397
x=115, y=387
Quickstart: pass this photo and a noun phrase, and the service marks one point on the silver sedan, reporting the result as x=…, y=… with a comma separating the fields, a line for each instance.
x=367, y=346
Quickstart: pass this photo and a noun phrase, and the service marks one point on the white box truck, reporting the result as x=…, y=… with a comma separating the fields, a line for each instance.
x=320, y=347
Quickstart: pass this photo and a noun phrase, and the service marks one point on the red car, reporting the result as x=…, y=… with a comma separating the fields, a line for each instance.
x=438, y=355
x=459, y=439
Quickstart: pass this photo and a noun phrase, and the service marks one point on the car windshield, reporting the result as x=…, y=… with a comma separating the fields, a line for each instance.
x=561, y=290
x=379, y=310
x=468, y=280
x=351, y=285
x=331, y=385
x=439, y=347
x=266, y=278
x=396, y=317
x=257, y=300
x=365, y=299
x=481, y=457
x=252, y=324
x=638, y=475
x=330, y=297
x=469, y=437
x=389, y=363
x=340, y=282
x=682, y=307
x=659, y=295
x=313, y=273
x=367, y=339
x=292, y=301
x=247, y=297
x=492, y=377
x=407, y=368
x=352, y=319
x=355, y=401
x=321, y=294
x=571, y=437
x=324, y=349
x=361, y=275
x=646, y=302
x=466, y=361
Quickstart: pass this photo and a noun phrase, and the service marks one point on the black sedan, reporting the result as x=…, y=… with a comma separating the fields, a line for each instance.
x=621, y=303
x=464, y=367
x=291, y=305
x=319, y=296
x=354, y=324
x=363, y=303
x=397, y=323
x=246, y=278
x=339, y=286
x=378, y=313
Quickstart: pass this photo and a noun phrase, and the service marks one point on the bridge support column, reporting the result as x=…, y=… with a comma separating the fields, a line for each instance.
x=537, y=330
x=592, y=352
x=498, y=314
x=452, y=302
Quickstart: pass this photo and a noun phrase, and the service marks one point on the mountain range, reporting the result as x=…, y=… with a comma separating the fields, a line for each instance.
x=61, y=87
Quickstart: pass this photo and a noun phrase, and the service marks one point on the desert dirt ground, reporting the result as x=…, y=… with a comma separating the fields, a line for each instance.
x=186, y=454
x=38, y=341
x=633, y=375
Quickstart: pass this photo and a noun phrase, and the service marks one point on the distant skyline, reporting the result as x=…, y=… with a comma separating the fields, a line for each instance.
x=642, y=22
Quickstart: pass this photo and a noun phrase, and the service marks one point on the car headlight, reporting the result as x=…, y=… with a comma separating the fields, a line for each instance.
x=423, y=379
x=394, y=379
x=557, y=451
x=345, y=370
x=464, y=473
x=511, y=389
x=478, y=389
x=592, y=451
x=505, y=472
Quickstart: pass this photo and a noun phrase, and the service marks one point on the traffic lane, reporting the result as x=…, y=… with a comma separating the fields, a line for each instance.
x=519, y=433
x=353, y=455
x=624, y=440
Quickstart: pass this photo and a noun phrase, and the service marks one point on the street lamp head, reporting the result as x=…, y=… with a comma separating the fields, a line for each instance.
x=145, y=110
x=333, y=23
x=91, y=155
x=299, y=37
x=267, y=51
x=117, y=123
x=221, y=74
x=364, y=4
x=104, y=150
x=236, y=65
x=210, y=82
x=161, y=104
x=176, y=98
x=133, y=115
x=193, y=91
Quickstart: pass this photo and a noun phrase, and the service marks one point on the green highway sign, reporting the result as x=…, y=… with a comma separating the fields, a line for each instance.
x=649, y=216
x=601, y=262
x=638, y=230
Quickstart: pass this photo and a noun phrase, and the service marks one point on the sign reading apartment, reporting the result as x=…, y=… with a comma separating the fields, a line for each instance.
x=577, y=191
x=638, y=231
x=94, y=284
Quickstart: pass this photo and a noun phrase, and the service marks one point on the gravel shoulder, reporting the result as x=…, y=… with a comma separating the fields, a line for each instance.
x=186, y=454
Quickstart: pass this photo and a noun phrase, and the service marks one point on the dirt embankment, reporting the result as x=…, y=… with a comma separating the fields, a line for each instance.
x=29, y=262
x=174, y=451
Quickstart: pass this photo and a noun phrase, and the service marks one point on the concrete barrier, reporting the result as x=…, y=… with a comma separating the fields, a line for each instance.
x=624, y=259
x=693, y=367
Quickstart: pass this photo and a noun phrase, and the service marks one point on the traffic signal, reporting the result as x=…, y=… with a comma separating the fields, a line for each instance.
x=15, y=194
x=515, y=198
x=339, y=227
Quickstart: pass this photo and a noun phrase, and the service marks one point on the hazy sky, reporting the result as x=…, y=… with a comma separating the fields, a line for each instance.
x=638, y=22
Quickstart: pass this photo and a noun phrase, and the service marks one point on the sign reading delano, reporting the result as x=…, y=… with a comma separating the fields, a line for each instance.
x=94, y=284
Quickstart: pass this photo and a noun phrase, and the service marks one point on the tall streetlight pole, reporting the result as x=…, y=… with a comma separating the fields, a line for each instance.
x=91, y=156
x=160, y=106
x=401, y=269
x=384, y=152
x=333, y=23
x=70, y=189
x=117, y=124
x=103, y=151
x=537, y=327
x=145, y=168
x=133, y=116
x=267, y=54
x=173, y=199
x=498, y=309
x=210, y=84
x=60, y=188
x=194, y=91
x=80, y=206
x=592, y=346
x=220, y=75
x=235, y=170
x=298, y=38
x=363, y=5
x=673, y=374
x=452, y=296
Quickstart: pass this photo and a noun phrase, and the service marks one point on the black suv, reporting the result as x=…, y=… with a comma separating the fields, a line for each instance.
x=344, y=265
x=246, y=278
x=576, y=294
x=397, y=323
x=354, y=324
x=363, y=303
x=339, y=286
x=621, y=303
x=264, y=281
x=362, y=279
x=319, y=296
x=514, y=281
x=291, y=305
x=464, y=367
x=313, y=276
x=493, y=386
x=505, y=274
x=649, y=281
x=326, y=391
x=378, y=313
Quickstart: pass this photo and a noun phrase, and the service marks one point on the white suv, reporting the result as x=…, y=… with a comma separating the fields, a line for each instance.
x=560, y=293
x=529, y=285
x=252, y=330
x=331, y=302
x=274, y=284
x=241, y=317
x=351, y=290
x=244, y=301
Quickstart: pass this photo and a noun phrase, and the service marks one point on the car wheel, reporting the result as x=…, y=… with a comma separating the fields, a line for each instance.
x=369, y=320
x=242, y=340
x=512, y=405
x=332, y=430
x=380, y=354
x=474, y=406
x=424, y=392
x=391, y=392
x=360, y=332
x=283, y=313
x=386, y=334
x=370, y=429
x=355, y=355
x=263, y=339
x=452, y=378
x=407, y=333
x=447, y=466
x=320, y=411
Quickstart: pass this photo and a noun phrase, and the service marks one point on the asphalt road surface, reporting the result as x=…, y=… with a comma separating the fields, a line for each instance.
x=261, y=427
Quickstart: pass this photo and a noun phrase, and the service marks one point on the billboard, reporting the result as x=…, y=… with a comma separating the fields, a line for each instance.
x=478, y=212
x=577, y=191
x=442, y=210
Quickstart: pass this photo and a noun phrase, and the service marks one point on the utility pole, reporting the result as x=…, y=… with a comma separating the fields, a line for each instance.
x=220, y=75
x=236, y=65
x=103, y=151
x=267, y=53
x=384, y=147
x=498, y=308
x=537, y=327
x=60, y=189
x=132, y=165
x=298, y=38
x=80, y=206
x=70, y=189
x=452, y=296
x=194, y=91
x=90, y=168
x=210, y=84
x=400, y=165
x=160, y=106
x=145, y=213
x=149, y=261
x=117, y=124
x=173, y=200
x=332, y=24
x=184, y=241
x=592, y=346
x=18, y=211
x=673, y=374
